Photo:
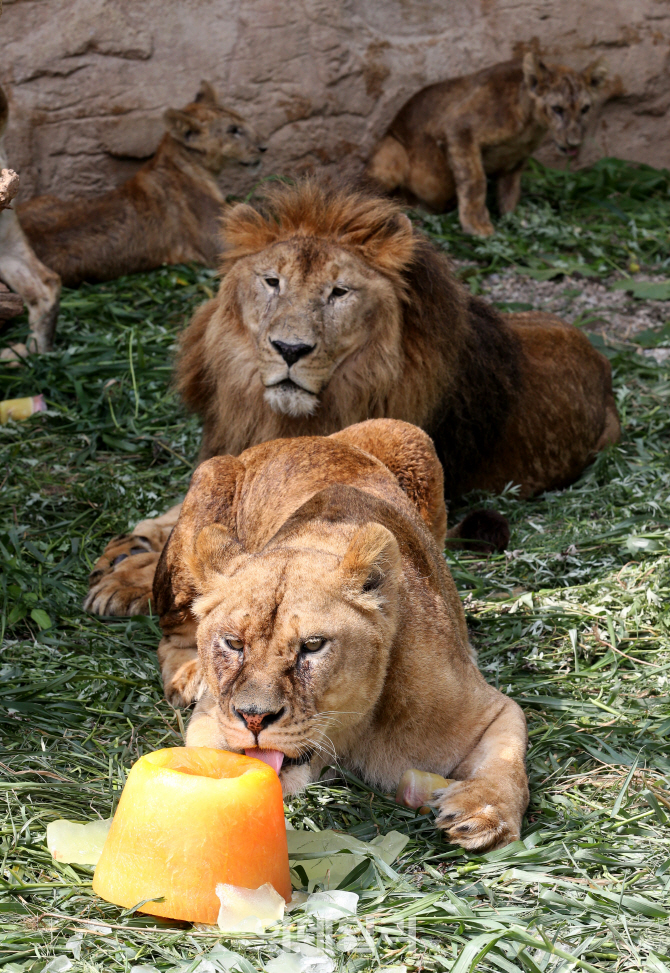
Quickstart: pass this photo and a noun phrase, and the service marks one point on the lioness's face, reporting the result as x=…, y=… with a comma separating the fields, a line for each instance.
x=309, y=307
x=294, y=649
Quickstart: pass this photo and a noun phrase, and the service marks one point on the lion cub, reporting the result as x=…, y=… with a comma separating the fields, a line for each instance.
x=167, y=213
x=450, y=136
x=306, y=605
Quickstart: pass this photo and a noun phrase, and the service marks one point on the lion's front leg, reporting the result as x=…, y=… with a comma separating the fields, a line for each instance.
x=465, y=159
x=122, y=578
x=484, y=807
x=180, y=665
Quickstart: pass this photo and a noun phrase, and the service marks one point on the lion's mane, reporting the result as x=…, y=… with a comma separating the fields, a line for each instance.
x=452, y=369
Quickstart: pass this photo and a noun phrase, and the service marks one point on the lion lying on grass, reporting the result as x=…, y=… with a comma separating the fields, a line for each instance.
x=450, y=136
x=332, y=310
x=167, y=213
x=310, y=575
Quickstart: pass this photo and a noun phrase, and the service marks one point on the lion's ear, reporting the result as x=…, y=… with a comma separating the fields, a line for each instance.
x=392, y=247
x=596, y=74
x=213, y=546
x=206, y=94
x=371, y=566
x=244, y=230
x=205, y=531
x=534, y=70
x=183, y=127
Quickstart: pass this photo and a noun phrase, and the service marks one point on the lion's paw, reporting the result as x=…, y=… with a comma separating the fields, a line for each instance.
x=473, y=815
x=184, y=685
x=477, y=225
x=122, y=579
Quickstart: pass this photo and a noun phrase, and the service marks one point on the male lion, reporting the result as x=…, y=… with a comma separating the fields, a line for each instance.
x=450, y=136
x=167, y=213
x=306, y=605
x=332, y=310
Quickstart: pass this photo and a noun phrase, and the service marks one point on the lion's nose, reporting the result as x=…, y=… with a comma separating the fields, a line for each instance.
x=262, y=148
x=292, y=353
x=257, y=721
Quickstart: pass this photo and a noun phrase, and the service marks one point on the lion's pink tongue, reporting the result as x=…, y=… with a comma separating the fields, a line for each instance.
x=273, y=757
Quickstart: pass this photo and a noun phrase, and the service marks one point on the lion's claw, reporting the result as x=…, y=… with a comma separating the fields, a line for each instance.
x=122, y=579
x=473, y=814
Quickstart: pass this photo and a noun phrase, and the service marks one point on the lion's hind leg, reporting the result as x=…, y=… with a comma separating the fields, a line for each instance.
x=484, y=807
x=122, y=579
x=389, y=165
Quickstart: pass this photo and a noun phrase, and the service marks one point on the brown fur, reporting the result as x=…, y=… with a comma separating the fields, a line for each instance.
x=167, y=213
x=450, y=136
x=316, y=538
x=24, y=273
x=521, y=398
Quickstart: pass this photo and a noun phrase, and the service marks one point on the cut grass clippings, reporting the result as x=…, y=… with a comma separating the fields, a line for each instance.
x=572, y=621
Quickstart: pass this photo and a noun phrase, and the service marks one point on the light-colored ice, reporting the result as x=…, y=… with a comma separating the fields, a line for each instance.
x=74, y=944
x=61, y=964
x=77, y=844
x=248, y=910
x=416, y=787
x=331, y=905
x=304, y=959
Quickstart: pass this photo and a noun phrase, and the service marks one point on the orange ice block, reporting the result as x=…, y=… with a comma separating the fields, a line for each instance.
x=189, y=818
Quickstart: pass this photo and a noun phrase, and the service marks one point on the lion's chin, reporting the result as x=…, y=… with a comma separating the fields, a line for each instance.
x=288, y=399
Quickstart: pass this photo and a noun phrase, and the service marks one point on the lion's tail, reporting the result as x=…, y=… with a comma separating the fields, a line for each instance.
x=485, y=531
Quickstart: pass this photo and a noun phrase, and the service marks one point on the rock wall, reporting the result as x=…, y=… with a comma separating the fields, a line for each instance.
x=88, y=80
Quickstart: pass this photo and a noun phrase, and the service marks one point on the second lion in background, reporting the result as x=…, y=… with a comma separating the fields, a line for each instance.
x=167, y=213
x=450, y=136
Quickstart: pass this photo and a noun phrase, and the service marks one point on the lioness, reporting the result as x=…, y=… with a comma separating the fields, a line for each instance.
x=332, y=310
x=23, y=272
x=450, y=136
x=309, y=573
x=167, y=213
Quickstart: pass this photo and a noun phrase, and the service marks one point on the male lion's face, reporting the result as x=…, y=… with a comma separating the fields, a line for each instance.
x=564, y=99
x=309, y=307
x=294, y=643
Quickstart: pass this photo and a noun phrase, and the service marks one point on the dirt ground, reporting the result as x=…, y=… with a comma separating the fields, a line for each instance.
x=590, y=303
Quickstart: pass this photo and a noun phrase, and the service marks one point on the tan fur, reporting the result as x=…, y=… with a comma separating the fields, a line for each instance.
x=167, y=213
x=450, y=136
x=21, y=270
x=389, y=333
x=345, y=555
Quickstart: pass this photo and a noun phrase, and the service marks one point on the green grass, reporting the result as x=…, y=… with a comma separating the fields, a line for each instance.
x=573, y=622
x=611, y=218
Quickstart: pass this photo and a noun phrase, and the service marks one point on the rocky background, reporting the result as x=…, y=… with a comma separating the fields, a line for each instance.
x=88, y=80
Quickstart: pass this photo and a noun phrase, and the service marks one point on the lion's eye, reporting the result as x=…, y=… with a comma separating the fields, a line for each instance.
x=558, y=110
x=339, y=291
x=237, y=645
x=234, y=130
x=313, y=644
x=272, y=282
x=585, y=109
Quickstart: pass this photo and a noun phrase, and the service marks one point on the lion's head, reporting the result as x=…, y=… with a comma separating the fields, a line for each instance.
x=563, y=99
x=217, y=134
x=294, y=640
x=309, y=301
x=330, y=307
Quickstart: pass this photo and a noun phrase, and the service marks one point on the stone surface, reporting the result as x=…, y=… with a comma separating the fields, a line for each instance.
x=88, y=80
